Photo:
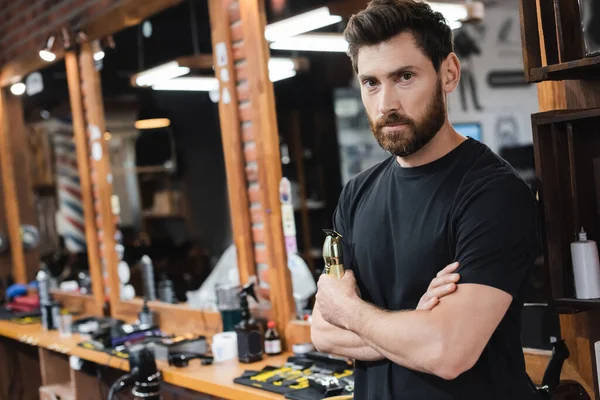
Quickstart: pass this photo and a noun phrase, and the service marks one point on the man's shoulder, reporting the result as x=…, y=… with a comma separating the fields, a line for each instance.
x=364, y=180
x=492, y=179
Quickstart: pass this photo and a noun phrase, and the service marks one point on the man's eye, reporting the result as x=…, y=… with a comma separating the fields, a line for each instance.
x=407, y=76
x=369, y=83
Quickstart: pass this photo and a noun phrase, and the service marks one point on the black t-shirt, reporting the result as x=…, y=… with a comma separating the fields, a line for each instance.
x=401, y=226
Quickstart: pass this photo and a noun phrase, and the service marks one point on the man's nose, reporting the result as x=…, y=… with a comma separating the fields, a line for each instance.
x=389, y=101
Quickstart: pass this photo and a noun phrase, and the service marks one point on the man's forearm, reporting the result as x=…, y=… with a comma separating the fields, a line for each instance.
x=344, y=343
x=412, y=343
x=331, y=339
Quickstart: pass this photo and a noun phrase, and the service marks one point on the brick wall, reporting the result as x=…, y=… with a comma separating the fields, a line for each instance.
x=26, y=24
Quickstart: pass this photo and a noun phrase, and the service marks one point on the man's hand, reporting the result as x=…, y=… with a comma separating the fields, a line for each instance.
x=335, y=298
x=442, y=285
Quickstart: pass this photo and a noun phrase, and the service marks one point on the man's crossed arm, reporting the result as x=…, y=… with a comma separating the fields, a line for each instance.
x=332, y=339
x=444, y=339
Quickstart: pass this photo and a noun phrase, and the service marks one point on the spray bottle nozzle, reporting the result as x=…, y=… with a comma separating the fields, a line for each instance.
x=582, y=235
x=248, y=290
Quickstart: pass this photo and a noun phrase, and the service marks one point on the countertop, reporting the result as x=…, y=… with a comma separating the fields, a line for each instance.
x=216, y=379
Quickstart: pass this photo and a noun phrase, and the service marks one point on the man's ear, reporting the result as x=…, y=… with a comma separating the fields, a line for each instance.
x=450, y=73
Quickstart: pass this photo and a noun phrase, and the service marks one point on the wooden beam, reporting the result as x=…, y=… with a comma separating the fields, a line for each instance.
x=15, y=70
x=200, y=61
x=128, y=13
x=264, y=120
x=83, y=167
x=231, y=135
x=10, y=189
x=96, y=126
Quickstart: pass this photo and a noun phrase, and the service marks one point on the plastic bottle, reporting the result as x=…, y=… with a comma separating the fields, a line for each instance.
x=272, y=340
x=43, y=282
x=148, y=278
x=586, y=267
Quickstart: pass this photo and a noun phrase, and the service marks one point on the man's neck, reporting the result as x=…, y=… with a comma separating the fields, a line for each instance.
x=446, y=140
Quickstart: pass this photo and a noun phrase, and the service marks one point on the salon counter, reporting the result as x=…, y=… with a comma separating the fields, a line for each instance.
x=215, y=380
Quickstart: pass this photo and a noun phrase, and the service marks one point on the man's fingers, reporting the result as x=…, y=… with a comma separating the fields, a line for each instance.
x=443, y=280
x=348, y=274
x=449, y=269
x=442, y=291
x=429, y=304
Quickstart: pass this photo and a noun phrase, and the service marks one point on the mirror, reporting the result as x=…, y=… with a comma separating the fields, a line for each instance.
x=57, y=193
x=169, y=179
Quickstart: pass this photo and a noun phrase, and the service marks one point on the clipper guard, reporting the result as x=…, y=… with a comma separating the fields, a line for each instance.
x=332, y=254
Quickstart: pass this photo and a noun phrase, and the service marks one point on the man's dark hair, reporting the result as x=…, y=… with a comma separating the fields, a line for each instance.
x=384, y=19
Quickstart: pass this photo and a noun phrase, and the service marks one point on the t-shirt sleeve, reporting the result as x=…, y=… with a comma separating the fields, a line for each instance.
x=342, y=225
x=497, y=235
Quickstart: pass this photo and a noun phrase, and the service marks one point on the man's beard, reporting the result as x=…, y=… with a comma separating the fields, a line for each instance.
x=414, y=135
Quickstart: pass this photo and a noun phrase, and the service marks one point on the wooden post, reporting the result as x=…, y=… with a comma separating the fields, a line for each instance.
x=231, y=135
x=241, y=61
x=10, y=190
x=101, y=179
x=83, y=167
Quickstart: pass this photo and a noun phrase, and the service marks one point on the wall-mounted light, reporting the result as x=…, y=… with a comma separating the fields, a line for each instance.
x=47, y=53
x=18, y=89
x=152, y=123
x=301, y=23
x=97, y=49
x=193, y=84
x=329, y=42
x=160, y=74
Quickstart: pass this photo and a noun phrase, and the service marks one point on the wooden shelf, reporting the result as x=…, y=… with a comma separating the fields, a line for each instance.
x=558, y=116
x=154, y=215
x=572, y=306
x=154, y=170
x=578, y=69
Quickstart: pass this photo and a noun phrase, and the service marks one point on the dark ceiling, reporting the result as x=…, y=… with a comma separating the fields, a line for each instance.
x=171, y=37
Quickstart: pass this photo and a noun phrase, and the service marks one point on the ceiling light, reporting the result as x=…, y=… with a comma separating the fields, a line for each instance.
x=47, y=53
x=160, y=74
x=152, y=123
x=301, y=23
x=18, y=89
x=453, y=13
x=313, y=42
x=209, y=84
x=279, y=75
x=281, y=64
x=196, y=84
x=107, y=136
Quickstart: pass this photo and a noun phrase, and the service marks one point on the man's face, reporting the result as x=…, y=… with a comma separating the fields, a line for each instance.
x=402, y=94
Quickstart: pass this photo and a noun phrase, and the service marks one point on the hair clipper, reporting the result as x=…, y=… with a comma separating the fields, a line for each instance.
x=332, y=254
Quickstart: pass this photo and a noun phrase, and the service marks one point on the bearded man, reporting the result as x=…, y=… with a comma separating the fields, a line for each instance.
x=440, y=198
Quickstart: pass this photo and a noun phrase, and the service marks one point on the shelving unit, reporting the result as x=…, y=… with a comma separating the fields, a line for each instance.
x=553, y=42
x=567, y=152
x=567, y=157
